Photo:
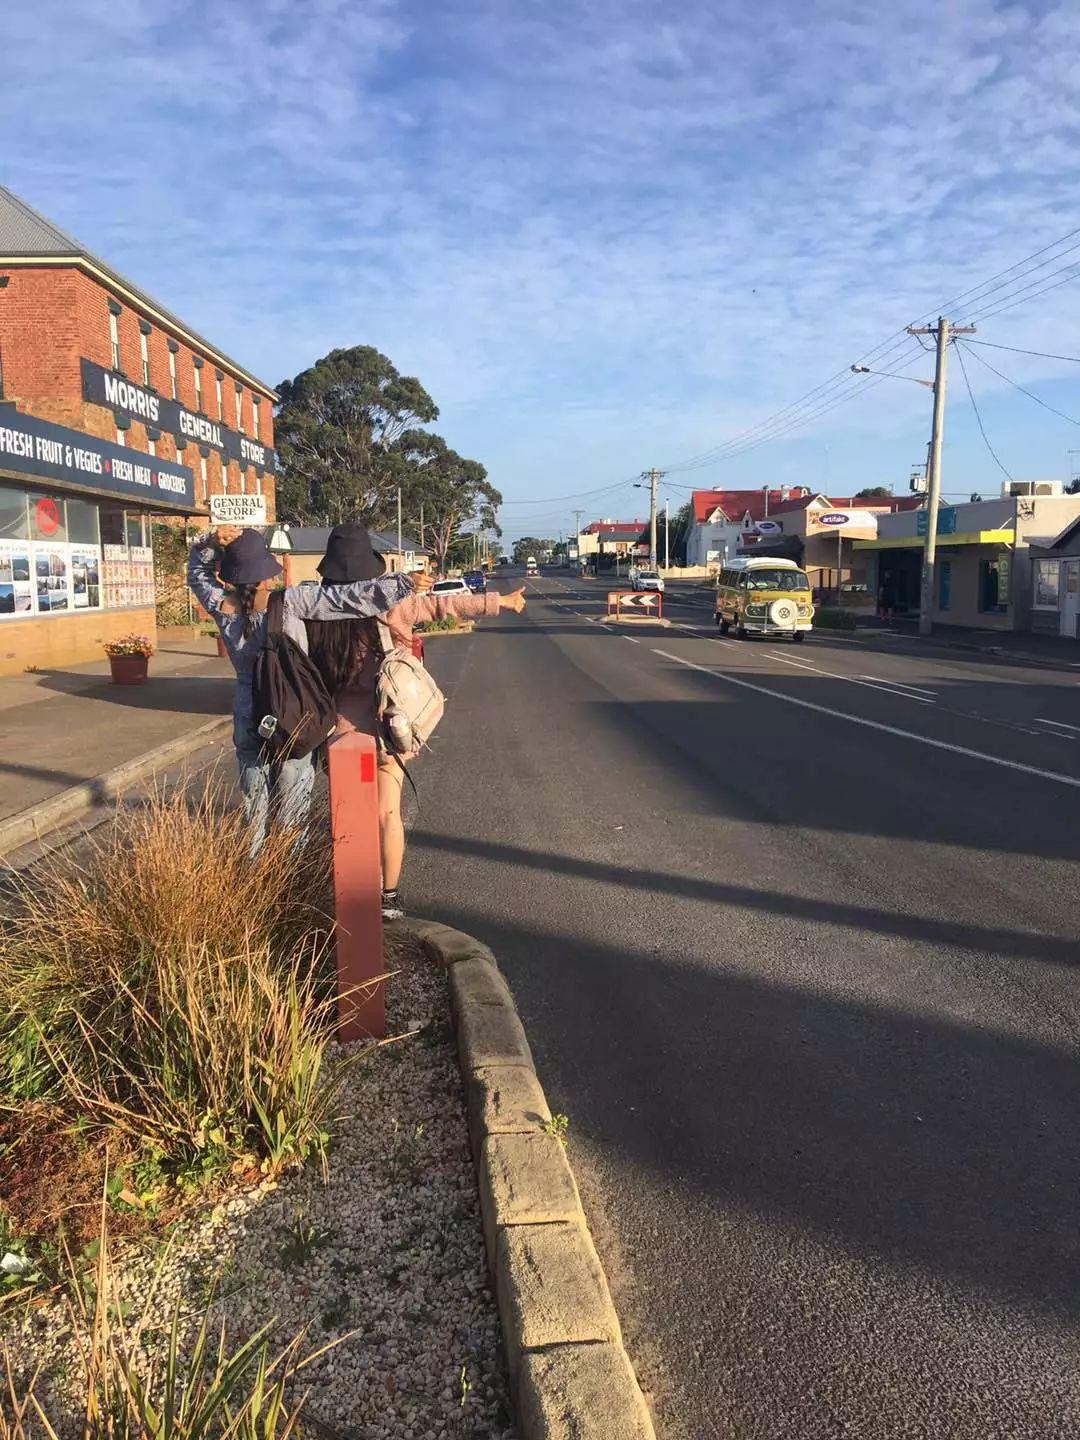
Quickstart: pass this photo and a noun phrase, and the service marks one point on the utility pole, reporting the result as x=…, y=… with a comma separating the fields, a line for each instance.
x=653, y=477
x=421, y=525
x=400, y=557
x=667, y=534
x=943, y=332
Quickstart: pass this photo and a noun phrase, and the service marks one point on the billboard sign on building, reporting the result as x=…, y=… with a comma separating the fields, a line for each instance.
x=124, y=397
x=238, y=509
x=856, y=522
x=39, y=450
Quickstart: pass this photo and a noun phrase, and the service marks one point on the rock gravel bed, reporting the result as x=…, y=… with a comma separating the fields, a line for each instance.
x=389, y=1246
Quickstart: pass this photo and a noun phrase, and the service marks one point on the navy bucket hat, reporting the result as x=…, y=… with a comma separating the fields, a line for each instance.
x=247, y=561
x=350, y=556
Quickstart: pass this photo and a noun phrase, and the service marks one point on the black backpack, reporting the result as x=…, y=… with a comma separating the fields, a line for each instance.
x=290, y=691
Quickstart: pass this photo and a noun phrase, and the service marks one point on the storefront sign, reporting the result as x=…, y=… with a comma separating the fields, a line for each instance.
x=860, y=522
x=769, y=527
x=29, y=446
x=946, y=520
x=106, y=387
x=238, y=509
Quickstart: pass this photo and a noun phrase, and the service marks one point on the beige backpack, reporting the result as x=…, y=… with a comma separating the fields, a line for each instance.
x=408, y=703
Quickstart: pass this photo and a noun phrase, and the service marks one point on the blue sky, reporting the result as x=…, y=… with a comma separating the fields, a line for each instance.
x=605, y=235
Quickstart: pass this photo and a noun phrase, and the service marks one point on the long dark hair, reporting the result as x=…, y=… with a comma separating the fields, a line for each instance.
x=245, y=599
x=337, y=649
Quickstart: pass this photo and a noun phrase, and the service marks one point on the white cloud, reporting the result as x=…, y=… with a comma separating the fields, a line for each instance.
x=602, y=234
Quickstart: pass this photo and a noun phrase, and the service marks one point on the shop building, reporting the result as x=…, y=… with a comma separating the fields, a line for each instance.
x=114, y=415
x=1055, y=584
x=985, y=577
x=307, y=546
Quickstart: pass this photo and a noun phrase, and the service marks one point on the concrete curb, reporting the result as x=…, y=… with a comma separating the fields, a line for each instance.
x=569, y=1374
x=31, y=824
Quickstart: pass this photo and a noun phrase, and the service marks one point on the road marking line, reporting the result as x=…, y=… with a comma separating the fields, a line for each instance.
x=727, y=679
x=631, y=639
x=1041, y=720
x=800, y=664
x=728, y=644
x=900, y=684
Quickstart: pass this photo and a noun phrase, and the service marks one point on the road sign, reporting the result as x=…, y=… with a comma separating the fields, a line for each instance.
x=238, y=509
x=646, y=603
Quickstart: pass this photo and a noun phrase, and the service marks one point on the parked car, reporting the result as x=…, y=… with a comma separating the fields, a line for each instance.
x=647, y=580
x=476, y=581
x=450, y=587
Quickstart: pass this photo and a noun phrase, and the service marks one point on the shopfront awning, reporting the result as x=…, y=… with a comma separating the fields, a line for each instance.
x=915, y=542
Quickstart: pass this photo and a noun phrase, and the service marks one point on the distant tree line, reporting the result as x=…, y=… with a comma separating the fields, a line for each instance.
x=350, y=431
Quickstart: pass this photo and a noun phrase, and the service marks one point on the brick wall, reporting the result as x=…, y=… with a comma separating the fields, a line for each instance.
x=50, y=316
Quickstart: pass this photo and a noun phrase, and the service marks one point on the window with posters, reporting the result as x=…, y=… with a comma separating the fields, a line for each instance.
x=53, y=561
x=1046, y=577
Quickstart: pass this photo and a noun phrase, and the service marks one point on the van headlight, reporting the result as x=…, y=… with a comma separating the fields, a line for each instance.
x=806, y=610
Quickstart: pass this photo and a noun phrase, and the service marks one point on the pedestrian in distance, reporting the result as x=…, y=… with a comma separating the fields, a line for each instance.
x=232, y=573
x=887, y=599
x=349, y=657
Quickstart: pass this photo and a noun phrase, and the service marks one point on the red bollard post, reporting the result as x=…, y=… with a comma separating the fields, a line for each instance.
x=354, y=824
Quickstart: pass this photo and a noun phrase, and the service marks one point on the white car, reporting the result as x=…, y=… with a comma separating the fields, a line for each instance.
x=450, y=587
x=647, y=580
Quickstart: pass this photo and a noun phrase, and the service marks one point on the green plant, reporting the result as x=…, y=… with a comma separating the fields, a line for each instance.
x=302, y=1241
x=447, y=622
x=558, y=1126
x=832, y=618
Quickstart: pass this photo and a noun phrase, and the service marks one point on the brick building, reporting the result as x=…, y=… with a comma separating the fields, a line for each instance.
x=113, y=414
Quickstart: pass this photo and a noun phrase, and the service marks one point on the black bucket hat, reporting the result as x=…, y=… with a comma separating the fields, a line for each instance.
x=349, y=556
x=247, y=560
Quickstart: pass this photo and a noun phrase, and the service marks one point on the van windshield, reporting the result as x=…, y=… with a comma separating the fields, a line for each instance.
x=776, y=580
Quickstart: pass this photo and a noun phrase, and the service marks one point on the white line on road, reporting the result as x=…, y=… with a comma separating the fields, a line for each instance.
x=798, y=664
x=1041, y=720
x=901, y=684
x=727, y=679
x=631, y=639
x=728, y=644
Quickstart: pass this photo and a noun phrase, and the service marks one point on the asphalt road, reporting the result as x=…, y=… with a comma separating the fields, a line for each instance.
x=794, y=934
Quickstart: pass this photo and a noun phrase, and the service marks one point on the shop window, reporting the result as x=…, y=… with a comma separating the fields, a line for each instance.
x=1046, y=581
x=1, y=375
x=945, y=585
x=202, y=474
x=82, y=522
x=255, y=416
x=14, y=524
x=225, y=474
x=47, y=521
x=173, y=385
x=151, y=442
x=994, y=586
x=239, y=407
x=111, y=521
x=134, y=529
x=197, y=364
x=218, y=378
x=144, y=351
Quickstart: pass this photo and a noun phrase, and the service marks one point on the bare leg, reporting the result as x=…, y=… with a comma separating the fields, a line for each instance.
x=391, y=828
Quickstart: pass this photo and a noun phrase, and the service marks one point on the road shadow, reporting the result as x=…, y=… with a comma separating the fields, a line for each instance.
x=924, y=1142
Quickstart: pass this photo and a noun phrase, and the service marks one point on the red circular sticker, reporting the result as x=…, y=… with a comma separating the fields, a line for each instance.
x=48, y=516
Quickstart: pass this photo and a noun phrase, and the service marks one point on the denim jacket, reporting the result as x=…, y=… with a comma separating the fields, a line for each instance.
x=362, y=599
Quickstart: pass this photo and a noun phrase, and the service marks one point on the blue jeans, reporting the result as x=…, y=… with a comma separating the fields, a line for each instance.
x=285, y=788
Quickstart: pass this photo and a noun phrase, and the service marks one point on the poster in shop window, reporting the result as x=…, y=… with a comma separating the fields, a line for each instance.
x=51, y=572
x=86, y=579
x=16, y=587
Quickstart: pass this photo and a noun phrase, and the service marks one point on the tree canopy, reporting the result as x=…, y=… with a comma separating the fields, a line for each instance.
x=530, y=545
x=349, y=434
x=874, y=492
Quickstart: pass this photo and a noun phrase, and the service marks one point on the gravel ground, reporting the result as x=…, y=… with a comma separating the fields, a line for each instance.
x=390, y=1246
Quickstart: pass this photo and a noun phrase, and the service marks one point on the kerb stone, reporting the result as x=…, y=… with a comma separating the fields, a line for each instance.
x=525, y=1180
x=581, y=1392
x=551, y=1289
x=477, y=981
x=491, y=1035
x=505, y=1100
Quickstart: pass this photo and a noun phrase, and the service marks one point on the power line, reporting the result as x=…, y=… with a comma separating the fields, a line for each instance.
x=1040, y=354
x=1029, y=393
x=978, y=417
x=1021, y=299
x=576, y=495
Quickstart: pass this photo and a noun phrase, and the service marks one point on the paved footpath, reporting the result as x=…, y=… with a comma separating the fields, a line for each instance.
x=90, y=725
x=794, y=935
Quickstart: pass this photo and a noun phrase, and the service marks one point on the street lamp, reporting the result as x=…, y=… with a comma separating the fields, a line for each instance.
x=891, y=375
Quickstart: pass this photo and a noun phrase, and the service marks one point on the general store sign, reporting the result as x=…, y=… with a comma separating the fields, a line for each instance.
x=238, y=509
x=33, y=447
x=106, y=387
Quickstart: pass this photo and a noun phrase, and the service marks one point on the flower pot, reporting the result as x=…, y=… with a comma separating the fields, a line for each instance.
x=128, y=669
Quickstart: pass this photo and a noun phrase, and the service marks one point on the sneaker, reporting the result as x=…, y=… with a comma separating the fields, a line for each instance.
x=391, y=906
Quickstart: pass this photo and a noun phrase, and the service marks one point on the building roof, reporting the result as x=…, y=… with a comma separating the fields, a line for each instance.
x=616, y=529
x=735, y=504
x=311, y=540
x=27, y=235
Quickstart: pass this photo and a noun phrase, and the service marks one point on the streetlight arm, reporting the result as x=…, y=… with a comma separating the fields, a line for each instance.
x=891, y=375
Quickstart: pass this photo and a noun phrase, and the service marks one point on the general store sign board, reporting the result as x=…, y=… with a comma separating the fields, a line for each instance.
x=238, y=509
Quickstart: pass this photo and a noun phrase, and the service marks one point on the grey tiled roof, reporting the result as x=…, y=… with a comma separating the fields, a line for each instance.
x=24, y=234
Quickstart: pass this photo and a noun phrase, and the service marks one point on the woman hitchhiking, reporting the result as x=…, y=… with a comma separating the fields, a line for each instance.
x=349, y=656
x=231, y=573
